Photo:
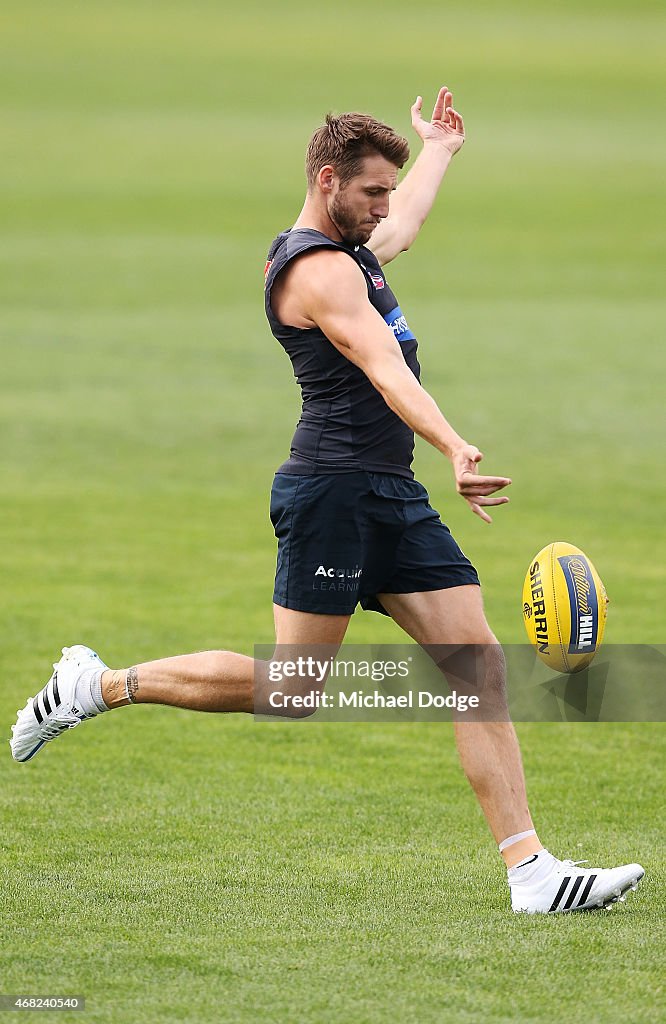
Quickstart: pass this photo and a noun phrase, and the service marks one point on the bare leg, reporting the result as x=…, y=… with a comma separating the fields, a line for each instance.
x=215, y=680
x=209, y=681
x=489, y=751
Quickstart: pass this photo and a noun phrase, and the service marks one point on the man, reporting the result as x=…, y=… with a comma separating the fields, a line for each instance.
x=346, y=499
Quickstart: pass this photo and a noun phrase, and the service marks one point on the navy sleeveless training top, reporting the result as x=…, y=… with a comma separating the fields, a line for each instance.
x=345, y=423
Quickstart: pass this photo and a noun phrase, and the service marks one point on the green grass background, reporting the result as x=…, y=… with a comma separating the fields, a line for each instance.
x=179, y=867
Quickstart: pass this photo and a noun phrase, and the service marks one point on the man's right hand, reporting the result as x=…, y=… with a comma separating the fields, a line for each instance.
x=475, y=489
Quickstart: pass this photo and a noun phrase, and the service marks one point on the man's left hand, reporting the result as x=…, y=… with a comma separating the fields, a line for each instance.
x=446, y=126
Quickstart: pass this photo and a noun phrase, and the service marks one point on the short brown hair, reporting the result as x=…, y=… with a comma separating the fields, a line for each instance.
x=345, y=140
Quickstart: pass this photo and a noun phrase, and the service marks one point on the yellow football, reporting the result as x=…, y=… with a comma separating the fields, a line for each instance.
x=564, y=607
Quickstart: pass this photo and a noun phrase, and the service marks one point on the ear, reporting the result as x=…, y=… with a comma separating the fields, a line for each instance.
x=326, y=178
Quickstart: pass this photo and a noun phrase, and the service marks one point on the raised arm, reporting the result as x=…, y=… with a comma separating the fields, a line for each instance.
x=332, y=294
x=412, y=201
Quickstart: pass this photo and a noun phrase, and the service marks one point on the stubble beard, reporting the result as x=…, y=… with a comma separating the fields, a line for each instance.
x=347, y=222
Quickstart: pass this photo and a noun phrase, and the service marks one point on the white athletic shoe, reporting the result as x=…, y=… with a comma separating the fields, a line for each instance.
x=55, y=708
x=567, y=887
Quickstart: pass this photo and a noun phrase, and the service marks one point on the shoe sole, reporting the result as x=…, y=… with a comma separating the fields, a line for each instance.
x=22, y=760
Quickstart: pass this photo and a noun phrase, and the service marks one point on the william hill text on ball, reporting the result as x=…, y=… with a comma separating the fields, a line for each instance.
x=564, y=607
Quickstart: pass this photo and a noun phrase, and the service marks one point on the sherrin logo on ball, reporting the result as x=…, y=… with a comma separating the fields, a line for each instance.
x=564, y=607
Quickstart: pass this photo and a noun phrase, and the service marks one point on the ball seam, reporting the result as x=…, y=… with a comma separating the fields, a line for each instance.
x=565, y=660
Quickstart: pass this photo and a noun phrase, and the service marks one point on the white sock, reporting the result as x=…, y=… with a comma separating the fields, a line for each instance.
x=88, y=692
x=531, y=869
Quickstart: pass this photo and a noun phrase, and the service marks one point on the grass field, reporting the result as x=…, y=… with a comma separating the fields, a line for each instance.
x=170, y=866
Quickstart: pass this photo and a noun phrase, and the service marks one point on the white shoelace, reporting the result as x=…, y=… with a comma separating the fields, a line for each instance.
x=65, y=720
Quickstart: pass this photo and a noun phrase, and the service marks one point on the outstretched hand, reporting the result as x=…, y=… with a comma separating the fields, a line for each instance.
x=446, y=125
x=475, y=489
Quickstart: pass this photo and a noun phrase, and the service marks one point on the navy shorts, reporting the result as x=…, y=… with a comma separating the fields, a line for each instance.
x=347, y=537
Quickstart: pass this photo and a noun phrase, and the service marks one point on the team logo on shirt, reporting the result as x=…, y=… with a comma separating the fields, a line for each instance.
x=398, y=324
x=377, y=280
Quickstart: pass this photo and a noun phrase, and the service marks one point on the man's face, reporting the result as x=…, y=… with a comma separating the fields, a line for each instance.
x=357, y=207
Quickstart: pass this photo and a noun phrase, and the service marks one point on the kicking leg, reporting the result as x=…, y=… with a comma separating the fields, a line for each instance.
x=216, y=680
x=82, y=686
